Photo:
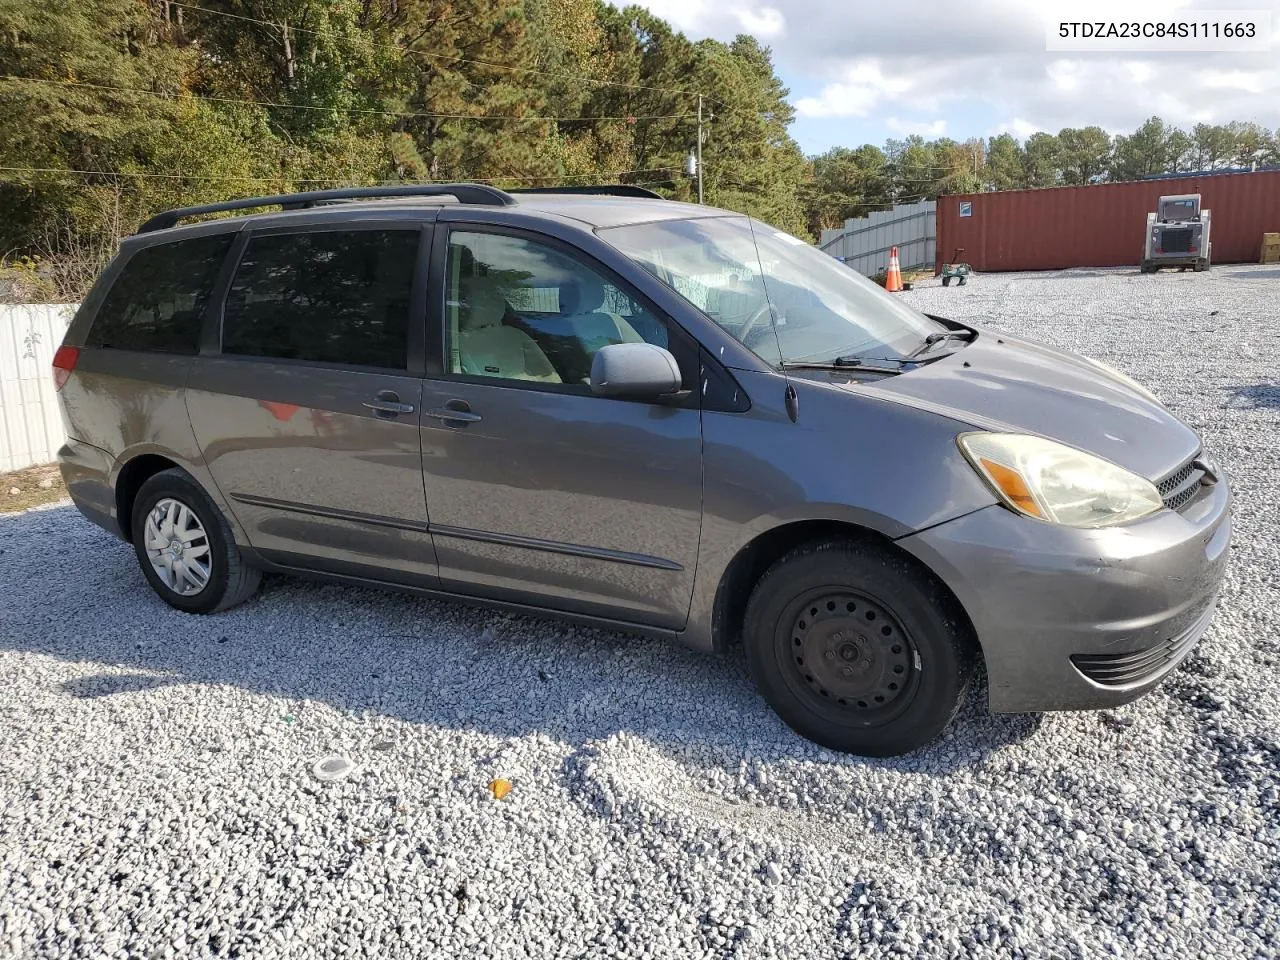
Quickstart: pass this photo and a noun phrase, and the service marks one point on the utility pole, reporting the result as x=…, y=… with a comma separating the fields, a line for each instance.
x=699, y=148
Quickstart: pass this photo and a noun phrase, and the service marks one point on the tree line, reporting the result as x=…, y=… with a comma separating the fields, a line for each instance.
x=114, y=109
x=851, y=182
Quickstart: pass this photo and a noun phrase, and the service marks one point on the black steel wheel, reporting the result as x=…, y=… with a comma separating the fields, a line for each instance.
x=851, y=651
x=857, y=647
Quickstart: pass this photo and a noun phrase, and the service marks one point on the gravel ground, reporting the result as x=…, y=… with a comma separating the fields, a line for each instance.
x=158, y=799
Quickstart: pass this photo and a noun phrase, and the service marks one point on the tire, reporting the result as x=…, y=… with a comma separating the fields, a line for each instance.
x=818, y=665
x=946, y=281
x=1201, y=265
x=227, y=581
x=961, y=281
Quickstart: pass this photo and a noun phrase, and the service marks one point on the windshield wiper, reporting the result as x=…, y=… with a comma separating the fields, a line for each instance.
x=850, y=362
x=935, y=338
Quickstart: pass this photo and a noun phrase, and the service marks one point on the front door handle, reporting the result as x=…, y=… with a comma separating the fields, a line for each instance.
x=459, y=411
x=386, y=404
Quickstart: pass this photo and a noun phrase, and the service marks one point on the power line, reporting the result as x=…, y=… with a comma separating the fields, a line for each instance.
x=208, y=179
x=450, y=57
x=359, y=110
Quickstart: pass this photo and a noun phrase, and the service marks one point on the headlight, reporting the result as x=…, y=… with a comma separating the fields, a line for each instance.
x=1057, y=483
x=1124, y=378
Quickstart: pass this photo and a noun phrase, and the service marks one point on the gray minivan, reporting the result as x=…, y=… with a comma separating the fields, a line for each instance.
x=642, y=415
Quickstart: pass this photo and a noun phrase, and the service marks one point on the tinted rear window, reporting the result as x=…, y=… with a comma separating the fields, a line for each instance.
x=329, y=296
x=158, y=299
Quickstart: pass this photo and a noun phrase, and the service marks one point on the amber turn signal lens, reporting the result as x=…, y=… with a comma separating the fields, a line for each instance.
x=1013, y=486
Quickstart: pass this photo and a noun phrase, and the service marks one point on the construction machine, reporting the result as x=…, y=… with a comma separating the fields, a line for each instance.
x=1177, y=235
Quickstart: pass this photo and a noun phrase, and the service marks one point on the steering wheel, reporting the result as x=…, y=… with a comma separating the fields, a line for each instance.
x=752, y=320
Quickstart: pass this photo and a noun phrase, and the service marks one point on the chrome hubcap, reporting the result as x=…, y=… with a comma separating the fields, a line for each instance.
x=178, y=547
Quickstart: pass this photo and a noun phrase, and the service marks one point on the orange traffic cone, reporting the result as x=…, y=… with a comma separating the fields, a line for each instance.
x=893, y=277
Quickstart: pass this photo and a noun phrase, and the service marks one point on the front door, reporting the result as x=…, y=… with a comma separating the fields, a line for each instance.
x=308, y=413
x=541, y=492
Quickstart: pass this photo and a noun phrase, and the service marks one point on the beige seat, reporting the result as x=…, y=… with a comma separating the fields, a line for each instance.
x=486, y=348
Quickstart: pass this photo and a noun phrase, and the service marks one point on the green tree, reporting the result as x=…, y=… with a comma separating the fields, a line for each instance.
x=1180, y=146
x=1252, y=143
x=1083, y=154
x=751, y=162
x=914, y=169
x=1212, y=146
x=1041, y=160
x=1005, y=163
x=960, y=166
x=846, y=183
x=1144, y=152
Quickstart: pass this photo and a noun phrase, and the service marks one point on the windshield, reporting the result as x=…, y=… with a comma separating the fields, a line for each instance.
x=783, y=299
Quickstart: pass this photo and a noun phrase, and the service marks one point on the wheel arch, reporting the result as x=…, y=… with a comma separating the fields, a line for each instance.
x=756, y=556
x=133, y=473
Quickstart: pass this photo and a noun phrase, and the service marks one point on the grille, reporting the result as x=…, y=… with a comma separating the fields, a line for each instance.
x=1121, y=669
x=1181, y=486
x=1175, y=241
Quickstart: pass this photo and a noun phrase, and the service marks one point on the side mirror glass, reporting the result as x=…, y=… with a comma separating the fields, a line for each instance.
x=634, y=371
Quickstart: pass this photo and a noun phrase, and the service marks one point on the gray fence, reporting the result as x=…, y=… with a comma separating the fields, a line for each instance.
x=864, y=244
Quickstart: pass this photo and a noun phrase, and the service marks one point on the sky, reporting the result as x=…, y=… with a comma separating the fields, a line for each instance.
x=865, y=72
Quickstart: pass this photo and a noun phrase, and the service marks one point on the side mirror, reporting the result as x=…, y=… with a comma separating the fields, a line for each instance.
x=634, y=371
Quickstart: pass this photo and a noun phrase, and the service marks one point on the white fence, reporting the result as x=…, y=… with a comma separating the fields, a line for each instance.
x=30, y=424
x=864, y=244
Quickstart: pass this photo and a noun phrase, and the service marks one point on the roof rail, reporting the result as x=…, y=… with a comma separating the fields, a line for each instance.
x=606, y=190
x=462, y=192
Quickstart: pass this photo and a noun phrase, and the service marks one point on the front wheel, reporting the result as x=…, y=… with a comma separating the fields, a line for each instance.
x=185, y=547
x=857, y=648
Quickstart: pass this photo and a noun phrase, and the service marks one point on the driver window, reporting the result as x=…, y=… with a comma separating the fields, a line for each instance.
x=522, y=310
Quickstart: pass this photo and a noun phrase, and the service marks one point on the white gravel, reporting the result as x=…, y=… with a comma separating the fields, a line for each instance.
x=157, y=800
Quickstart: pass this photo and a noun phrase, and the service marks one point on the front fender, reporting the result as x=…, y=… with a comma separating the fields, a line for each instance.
x=847, y=459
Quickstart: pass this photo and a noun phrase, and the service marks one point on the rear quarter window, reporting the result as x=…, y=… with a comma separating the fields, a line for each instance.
x=328, y=296
x=157, y=301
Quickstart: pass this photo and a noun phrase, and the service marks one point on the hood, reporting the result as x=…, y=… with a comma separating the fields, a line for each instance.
x=1002, y=383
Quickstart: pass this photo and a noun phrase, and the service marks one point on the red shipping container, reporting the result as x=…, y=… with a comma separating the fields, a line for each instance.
x=1102, y=225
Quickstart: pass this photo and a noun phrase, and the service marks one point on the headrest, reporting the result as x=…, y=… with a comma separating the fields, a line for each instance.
x=484, y=306
x=584, y=294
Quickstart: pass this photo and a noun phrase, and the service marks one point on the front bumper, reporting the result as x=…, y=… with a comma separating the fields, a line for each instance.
x=1073, y=619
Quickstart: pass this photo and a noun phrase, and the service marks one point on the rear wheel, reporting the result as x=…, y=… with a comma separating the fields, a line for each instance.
x=857, y=648
x=185, y=547
x=946, y=281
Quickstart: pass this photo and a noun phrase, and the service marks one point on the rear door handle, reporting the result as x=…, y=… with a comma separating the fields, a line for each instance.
x=458, y=411
x=386, y=404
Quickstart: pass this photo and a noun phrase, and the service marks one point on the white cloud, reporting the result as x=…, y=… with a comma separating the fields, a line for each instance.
x=1247, y=81
x=1018, y=127
x=1140, y=71
x=863, y=87
x=921, y=56
x=764, y=23
x=701, y=18
x=930, y=129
